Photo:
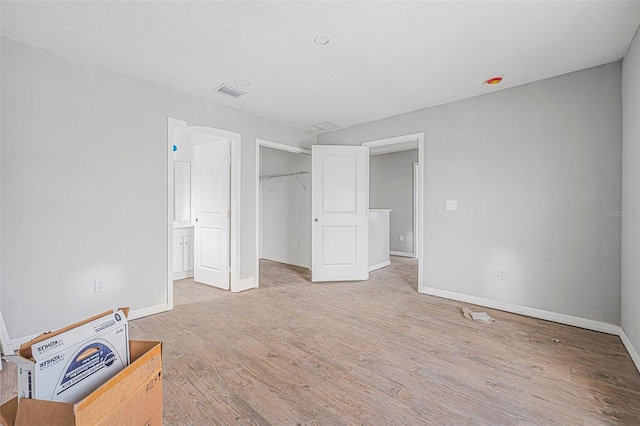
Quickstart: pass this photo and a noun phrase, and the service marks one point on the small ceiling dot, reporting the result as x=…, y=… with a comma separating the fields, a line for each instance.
x=242, y=82
x=322, y=40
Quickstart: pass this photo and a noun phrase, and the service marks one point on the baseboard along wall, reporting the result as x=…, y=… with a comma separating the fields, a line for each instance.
x=587, y=324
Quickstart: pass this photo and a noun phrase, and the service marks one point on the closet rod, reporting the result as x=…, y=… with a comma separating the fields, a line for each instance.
x=282, y=175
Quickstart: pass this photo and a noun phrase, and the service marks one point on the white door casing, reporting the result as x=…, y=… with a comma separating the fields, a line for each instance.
x=340, y=213
x=211, y=213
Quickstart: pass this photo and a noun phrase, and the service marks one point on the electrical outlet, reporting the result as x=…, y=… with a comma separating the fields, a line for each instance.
x=401, y=238
x=502, y=275
x=98, y=285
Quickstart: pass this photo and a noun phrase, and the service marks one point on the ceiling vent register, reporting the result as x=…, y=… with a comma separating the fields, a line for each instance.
x=326, y=125
x=229, y=91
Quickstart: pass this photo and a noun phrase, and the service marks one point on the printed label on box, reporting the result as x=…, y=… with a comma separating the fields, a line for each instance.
x=74, y=363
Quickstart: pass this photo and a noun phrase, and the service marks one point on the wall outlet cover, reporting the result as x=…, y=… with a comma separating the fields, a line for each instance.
x=502, y=275
x=98, y=285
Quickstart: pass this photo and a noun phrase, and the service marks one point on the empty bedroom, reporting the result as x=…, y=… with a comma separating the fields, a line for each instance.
x=309, y=212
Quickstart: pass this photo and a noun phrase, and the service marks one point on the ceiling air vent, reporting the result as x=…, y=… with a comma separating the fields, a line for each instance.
x=229, y=91
x=326, y=125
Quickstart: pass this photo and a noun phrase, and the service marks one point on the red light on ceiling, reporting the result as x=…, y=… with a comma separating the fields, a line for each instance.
x=493, y=80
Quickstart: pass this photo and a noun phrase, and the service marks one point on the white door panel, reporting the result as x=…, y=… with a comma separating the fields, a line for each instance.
x=211, y=207
x=340, y=208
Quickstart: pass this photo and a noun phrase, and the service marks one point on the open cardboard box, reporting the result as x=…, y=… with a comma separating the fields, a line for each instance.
x=68, y=365
x=133, y=396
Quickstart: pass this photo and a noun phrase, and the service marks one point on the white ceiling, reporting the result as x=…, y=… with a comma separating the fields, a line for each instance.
x=383, y=58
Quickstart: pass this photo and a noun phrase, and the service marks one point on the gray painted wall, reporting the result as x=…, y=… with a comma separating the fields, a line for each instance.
x=286, y=208
x=533, y=169
x=84, y=186
x=631, y=193
x=391, y=187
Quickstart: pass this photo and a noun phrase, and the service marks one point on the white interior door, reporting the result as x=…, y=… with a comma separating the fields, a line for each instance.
x=340, y=213
x=211, y=213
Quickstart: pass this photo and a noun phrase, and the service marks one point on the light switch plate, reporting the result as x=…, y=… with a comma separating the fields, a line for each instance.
x=451, y=205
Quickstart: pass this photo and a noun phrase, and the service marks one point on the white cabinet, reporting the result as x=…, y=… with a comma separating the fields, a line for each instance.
x=182, y=253
x=178, y=254
x=187, y=254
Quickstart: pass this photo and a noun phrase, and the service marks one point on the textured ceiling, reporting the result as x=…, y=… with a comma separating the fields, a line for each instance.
x=383, y=58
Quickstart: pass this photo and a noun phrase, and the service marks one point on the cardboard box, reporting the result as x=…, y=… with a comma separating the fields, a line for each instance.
x=70, y=363
x=133, y=396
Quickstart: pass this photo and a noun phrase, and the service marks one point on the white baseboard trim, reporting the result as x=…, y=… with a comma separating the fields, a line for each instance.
x=632, y=351
x=288, y=261
x=246, y=283
x=145, y=312
x=379, y=265
x=524, y=310
x=182, y=275
x=401, y=253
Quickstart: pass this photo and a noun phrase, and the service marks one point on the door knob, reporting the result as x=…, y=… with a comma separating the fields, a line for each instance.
x=315, y=220
x=196, y=219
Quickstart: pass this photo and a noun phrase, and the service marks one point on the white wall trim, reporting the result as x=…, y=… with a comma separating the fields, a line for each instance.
x=182, y=275
x=524, y=310
x=401, y=253
x=379, y=265
x=145, y=312
x=629, y=346
x=288, y=261
x=258, y=213
x=281, y=147
x=172, y=123
x=418, y=236
x=394, y=140
x=246, y=283
x=236, y=176
x=417, y=190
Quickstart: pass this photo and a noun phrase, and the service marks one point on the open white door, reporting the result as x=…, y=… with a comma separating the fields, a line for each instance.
x=211, y=213
x=340, y=213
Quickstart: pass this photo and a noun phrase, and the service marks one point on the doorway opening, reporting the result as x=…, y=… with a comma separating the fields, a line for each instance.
x=188, y=248
x=396, y=182
x=283, y=205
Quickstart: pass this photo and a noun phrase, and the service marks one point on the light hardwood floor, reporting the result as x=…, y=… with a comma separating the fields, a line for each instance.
x=375, y=353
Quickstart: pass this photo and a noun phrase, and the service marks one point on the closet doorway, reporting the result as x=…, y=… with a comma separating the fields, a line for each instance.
x=283, y=205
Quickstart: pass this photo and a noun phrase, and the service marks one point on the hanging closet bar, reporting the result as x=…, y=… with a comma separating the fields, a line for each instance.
x=283, y=175
x=296, y=174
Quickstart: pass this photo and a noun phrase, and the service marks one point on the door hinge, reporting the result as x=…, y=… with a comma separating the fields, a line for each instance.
x=229, y=214
x=228, y=269
x=229, y=159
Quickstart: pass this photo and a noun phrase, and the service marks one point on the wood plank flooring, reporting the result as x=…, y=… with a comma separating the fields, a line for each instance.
x=375, y=353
